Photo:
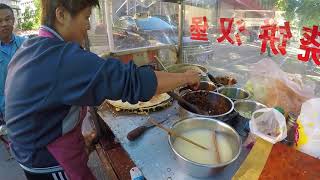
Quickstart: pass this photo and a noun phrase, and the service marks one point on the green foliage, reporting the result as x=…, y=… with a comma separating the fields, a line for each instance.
x=28, y=19
x=302, y=13
x=37, y=14
x=31, y=18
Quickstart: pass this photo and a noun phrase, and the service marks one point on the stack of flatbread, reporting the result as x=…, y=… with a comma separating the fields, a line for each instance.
x=155, y=101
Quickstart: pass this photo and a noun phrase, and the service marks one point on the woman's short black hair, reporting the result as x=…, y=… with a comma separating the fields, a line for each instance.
x=48, y=8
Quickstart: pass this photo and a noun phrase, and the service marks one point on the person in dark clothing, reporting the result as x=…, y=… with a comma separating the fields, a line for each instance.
x=51, y=80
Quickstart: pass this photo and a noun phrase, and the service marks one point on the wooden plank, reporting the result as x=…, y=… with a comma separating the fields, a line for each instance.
x=121, y=162
x=287, y=163
x=106, y=163
x=252, y=167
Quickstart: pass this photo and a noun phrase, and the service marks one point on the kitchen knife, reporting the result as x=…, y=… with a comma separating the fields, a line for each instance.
x=137, y=132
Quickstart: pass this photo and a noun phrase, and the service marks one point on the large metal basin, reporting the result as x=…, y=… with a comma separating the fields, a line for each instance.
x=234, y=93
x=204, y=170
x=245, y=108
x=215, y=99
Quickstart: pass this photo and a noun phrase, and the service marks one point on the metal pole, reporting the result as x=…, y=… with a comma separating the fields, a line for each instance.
x=127, y=7
x=217, y=13
x=108, y=9
x=180, y=32
x=135, y=7
x=124, y=3
x=104, y=2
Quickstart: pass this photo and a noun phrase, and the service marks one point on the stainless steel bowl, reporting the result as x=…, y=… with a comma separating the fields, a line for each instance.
x=204, y=85
x=234, y=93
x=204, y=170
x=207, y=86
x=244, y=107
x=215, y=99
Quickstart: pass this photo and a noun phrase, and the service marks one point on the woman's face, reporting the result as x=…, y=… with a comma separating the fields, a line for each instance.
x=75, y=27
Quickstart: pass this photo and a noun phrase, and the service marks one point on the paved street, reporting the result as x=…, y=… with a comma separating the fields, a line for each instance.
x=9, y=169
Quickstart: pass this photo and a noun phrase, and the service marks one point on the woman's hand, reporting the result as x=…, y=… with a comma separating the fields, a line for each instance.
x=193, y=79
x=169, y=81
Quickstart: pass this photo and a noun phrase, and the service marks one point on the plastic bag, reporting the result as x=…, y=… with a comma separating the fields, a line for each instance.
x=273, y=87
x=88, y=130
x=309, y=128
x=269, y=124
x=87, y=126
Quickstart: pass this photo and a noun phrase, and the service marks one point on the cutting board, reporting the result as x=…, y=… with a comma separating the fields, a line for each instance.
x=277, y=162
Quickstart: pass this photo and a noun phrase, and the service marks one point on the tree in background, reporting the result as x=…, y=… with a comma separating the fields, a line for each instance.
x=28, y=19
x=301, y=13
x=37, y=14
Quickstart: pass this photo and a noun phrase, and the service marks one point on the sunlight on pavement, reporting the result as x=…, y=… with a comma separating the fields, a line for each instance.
x=216, y=69
x=316, y=78
x=234, y=56
x=241, y=67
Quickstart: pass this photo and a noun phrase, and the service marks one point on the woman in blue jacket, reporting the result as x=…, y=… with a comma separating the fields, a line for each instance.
x=50, y=81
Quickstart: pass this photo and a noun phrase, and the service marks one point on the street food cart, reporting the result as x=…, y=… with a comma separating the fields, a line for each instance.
x=222, y=37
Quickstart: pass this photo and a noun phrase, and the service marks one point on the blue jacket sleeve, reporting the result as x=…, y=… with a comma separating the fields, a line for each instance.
x=2, y=105
x=20, y=40
x=86, y=79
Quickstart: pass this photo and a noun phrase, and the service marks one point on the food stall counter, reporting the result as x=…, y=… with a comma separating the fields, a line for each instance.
x=151, y=153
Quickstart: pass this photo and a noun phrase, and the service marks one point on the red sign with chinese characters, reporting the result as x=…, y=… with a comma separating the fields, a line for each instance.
x=310, y=44
x=269, y=35
x=227, y=31
x=199, y=28
x=273, y=36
